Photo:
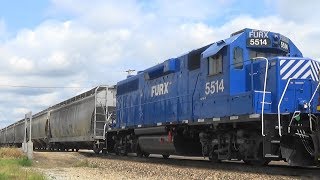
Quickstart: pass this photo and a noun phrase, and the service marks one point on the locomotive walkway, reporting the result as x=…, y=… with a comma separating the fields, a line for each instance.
x=87, y=165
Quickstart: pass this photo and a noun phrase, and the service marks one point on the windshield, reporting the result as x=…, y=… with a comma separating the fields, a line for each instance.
x=265, y=53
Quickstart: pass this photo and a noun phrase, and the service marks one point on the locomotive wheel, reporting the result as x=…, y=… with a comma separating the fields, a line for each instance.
x=146, y=155
x=96, y=149
x=165, y=156
x=139, y=153
x=104, y=151
x=214, y=158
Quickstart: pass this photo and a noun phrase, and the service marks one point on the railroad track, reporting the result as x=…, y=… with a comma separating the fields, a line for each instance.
x=274, y=168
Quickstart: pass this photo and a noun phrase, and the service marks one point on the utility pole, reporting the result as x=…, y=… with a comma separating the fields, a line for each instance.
x=24, y=144
x=30, y=144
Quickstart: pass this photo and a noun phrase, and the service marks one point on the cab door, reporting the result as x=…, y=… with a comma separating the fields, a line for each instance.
x=213, y=87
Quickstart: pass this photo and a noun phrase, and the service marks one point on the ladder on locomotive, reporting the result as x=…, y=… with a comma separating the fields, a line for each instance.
x=100, y=113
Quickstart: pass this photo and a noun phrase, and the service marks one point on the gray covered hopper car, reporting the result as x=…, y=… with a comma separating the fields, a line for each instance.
x=19, y=130
x=77, y=123
x=40, y=129
x=80, y=122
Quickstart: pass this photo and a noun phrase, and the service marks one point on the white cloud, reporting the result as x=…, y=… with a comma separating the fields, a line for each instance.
x=21, y=64
x=20, y=110
x=304, y=12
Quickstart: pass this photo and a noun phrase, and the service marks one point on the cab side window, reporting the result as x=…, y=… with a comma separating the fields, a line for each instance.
x=215, y=64
x=238, y=58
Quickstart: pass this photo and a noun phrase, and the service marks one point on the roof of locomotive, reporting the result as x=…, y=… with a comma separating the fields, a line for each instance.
x=215, y=47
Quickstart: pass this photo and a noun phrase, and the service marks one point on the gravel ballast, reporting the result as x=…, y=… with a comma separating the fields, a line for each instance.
x=86, y=165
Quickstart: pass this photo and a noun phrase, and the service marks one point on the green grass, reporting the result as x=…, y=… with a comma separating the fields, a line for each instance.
x=24, y=162
x=12, y=163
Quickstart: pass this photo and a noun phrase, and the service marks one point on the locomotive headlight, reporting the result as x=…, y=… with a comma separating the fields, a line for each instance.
x=303, y=104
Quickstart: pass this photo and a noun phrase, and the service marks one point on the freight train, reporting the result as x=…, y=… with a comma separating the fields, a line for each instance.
x=250, y=97
x=77, y=123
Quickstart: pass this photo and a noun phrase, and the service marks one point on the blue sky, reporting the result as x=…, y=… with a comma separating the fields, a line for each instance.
x=19, y=14
x=82, y=43
x=23, y=14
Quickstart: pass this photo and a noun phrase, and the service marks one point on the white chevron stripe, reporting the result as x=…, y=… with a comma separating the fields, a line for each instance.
x=314, y=64
x=314, y=74
x=286, y=66
x=313, y=68
x=282, y=61
x=307, y=74
x=295, y=67
x=302, y=70
x=318, y=67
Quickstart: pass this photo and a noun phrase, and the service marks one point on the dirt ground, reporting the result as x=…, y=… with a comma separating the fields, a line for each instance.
x=86, y=165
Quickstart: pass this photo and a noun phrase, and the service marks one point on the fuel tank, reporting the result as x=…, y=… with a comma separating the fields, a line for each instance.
x=169, y=145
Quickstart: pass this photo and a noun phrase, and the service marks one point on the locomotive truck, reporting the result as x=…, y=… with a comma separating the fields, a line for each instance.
x=250, y=97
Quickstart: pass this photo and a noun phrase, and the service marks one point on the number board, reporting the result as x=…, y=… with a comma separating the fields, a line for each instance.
x=258, y=38
x=284, y=43
x=260, y=42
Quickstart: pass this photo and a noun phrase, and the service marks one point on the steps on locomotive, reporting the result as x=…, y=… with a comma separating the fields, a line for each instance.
x=271, y=140
x=290, y=124
x=271, y=147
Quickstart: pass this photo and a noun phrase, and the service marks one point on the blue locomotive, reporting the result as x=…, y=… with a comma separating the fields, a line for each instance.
x=250, y=97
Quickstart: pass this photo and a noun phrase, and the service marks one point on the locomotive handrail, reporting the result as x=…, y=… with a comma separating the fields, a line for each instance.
x=280, y=101
x=104, y=131
x=264, y=92
x=105, y=126
x=309, y=105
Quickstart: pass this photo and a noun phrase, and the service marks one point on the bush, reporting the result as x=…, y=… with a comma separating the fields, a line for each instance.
x=11, y=162
x=8, y=152
x=25, y=162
